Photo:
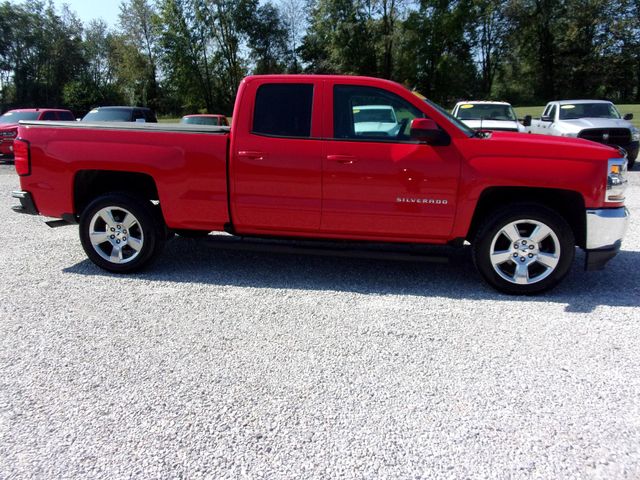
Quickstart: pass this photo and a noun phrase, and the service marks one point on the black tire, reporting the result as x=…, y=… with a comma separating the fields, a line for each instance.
x=630, y=163
x=138, y=246
x=192, y=233
x=525, y=270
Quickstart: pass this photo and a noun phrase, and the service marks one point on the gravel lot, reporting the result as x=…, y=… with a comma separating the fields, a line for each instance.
x=223, y=364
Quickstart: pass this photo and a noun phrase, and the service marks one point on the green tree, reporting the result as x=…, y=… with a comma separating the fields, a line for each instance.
x=138, y=50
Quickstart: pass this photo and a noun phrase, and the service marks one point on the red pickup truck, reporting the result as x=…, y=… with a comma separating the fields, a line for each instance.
x=331, y=157
x=9, y=124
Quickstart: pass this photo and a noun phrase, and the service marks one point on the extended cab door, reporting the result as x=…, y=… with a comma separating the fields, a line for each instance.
x=276, y=161
x=377, y=182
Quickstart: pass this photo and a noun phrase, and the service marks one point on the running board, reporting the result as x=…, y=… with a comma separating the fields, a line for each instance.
x=378, y=251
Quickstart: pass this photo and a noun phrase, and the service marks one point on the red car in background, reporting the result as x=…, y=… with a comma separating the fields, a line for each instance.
x=206, y=119
x=9, y=124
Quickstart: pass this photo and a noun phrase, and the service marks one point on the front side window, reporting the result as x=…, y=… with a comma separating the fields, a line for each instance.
x=371, y=113
x=283, y=110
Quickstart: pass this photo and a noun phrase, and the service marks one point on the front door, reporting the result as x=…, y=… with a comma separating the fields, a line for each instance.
x=377, y=182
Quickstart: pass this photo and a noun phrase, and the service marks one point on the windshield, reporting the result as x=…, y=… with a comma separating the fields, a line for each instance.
x=108, y=115
x=200, y=120
x=474, y=111
x=378, y=115
x=467, y=131
x=15, y=117
x=588, y=110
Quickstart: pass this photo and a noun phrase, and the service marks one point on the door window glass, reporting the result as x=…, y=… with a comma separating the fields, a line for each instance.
x=371, y=113
x=66, y=116
x=283, y=110
x=49, y=116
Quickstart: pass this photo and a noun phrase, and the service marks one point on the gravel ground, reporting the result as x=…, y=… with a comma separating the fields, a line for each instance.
x=222, y=364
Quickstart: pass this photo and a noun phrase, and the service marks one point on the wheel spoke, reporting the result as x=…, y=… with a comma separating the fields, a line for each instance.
x=549, y=260
x=135, y=243
x=107, y=216
x=500, y=257
x=540, y=233
x=511, y=232
x=116, y=254
x=521, y=275
x=99, y=237
x=129, y=221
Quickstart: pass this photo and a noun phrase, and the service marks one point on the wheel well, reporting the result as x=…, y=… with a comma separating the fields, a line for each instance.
x=570, y=205
x=89, y=184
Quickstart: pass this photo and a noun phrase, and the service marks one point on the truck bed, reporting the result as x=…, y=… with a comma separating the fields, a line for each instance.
x=187, y=165
x=151, y=127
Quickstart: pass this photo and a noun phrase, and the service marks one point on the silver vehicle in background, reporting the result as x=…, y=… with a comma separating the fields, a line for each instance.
x=486, y=115
x=595, y=120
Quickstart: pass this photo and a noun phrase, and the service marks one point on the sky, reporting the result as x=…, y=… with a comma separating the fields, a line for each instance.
x=88, y=10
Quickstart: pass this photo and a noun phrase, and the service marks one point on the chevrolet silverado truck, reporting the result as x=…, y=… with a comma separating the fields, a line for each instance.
x=9, y=124
x=293, y=165
x=595, y=120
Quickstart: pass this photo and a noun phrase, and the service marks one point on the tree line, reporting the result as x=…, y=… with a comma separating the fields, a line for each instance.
x=186, y=56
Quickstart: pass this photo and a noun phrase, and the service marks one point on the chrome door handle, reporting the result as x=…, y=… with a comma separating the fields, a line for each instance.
x=343, y=159
x=251, y=155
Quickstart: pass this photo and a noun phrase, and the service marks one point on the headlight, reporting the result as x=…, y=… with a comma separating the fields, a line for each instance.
x=569, y=134
x=616, y=180
x=635, y=134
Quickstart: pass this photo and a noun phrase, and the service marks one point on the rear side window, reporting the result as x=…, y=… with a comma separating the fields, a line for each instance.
x=66, y=116
x=283, y=110
x=49, y=116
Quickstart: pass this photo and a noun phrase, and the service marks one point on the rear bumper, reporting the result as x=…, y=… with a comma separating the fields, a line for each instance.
x=26, y=203
x=605, y=231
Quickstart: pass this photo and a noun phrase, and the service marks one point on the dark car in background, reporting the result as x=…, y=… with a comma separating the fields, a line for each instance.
x=9, y=124
x=121, y=114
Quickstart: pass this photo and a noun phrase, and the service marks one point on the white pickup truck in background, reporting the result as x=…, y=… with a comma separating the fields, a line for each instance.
x=485, y=115
x=595, y=120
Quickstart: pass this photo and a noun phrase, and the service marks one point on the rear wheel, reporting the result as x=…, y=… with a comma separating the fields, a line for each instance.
x=524, y=249
x=121, y=232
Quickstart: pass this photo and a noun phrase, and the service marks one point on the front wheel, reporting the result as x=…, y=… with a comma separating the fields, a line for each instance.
x=524, y=249
x=121, y=232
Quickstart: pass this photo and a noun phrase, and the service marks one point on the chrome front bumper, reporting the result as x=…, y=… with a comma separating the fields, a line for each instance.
x=606, y=227
x=605, y=230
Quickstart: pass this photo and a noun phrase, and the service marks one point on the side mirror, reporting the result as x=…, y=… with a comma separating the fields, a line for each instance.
x=546, y=118
x=628, y=116
x=425, y=130
x=527, y=121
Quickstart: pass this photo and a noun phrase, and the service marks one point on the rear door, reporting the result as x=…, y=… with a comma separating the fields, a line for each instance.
x=276, y=160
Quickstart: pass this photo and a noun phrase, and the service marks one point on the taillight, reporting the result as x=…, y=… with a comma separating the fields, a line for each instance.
x=22, y=157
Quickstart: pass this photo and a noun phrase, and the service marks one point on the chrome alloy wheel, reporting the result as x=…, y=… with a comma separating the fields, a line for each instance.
x=525, y=252
x=116, y=235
